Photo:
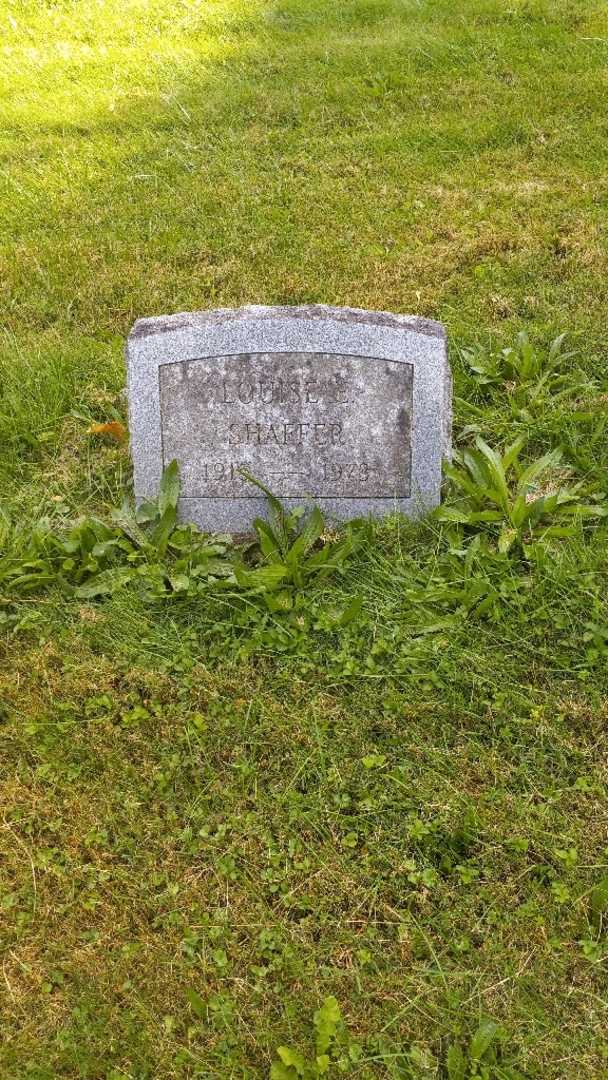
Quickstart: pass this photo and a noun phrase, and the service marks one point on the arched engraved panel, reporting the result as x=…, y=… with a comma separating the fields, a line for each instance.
x=322, y=425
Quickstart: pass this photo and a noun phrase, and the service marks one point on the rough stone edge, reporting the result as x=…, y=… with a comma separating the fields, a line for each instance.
x=166, y=323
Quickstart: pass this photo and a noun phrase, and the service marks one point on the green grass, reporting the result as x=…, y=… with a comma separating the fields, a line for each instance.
x=264, y=806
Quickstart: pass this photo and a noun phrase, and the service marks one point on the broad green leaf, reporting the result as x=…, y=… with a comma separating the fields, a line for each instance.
x=527, y=362
x=461, y=479
x=351, y=611
x=452, y=513
x=282, y=600
x=483, y=1038
x=559, y=531
x=485, y=605
x=179, y=582
x=30, y=582
x=478, y=469
x=486, y=515
x=100, y=549
x=536, y=391
x=212, y=568
x=555, y=349
x=506, y=539
x=312, y=529
x=278, y=1071
x=583, y=510
x=168, y=492
x=276, y=511
x=422, y=1057
x=126, y=521
x=263, y=577
x=292, y=1058
x=536, y=468
x=326, y=1020
x=535, y=511
x=512, y=453
x=269, y=544
x=319, y=560
x=468, y=517
x=107, y=582
x=373, y=761
x=146, y=512
x=159, y=536
x=496, y=470
x=456, y=1063
x=294, y=561
x=599, y=900
x=196, y=1003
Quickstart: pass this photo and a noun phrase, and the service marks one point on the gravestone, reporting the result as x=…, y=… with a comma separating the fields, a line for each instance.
x=349, y=409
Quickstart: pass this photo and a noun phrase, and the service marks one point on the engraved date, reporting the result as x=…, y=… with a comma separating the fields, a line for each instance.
x=334, y=472
x=215, y=471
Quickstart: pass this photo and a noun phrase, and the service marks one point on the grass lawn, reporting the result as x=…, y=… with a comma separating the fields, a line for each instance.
x=388, y=786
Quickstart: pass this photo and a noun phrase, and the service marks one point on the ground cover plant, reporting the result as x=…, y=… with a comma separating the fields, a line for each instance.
x=326, y=802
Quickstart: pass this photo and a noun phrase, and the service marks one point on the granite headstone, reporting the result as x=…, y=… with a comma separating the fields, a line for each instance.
x=349, y=409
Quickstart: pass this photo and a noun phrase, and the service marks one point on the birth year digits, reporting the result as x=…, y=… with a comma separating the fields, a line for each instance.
x=223, y=470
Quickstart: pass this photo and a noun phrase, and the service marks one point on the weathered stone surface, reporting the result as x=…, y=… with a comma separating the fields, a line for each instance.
x=347, y=408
